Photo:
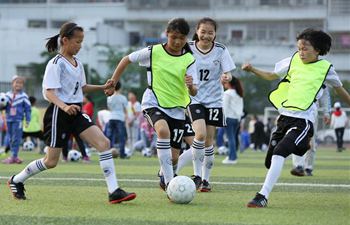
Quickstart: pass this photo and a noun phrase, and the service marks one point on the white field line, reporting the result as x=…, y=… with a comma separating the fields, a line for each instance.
x=220, y=183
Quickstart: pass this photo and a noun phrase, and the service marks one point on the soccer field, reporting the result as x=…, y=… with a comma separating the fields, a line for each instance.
x=75, y=193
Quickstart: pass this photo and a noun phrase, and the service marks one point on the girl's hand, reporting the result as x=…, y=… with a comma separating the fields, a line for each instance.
x=109, y=84
x=109, y=91
x=247, y=67
x=188, y=81
x=71, y=109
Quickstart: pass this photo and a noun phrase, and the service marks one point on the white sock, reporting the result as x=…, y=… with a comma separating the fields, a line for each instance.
x=208, y=163
x=31, y=169
x=165, y=159
x=272, y=175
x=197, y=149
x=108, y=169
x=298, y=160
x=184, y=159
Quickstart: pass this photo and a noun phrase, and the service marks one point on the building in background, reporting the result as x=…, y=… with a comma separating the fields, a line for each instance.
x=258, y=31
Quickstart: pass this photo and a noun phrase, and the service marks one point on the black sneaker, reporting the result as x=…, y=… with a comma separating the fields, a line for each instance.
x=298, y=171
x=119, y=195
x=308, y=172
x=162, y=184
x=197, y=181
x=258, y=202
x=17, y=189
x=205, y=186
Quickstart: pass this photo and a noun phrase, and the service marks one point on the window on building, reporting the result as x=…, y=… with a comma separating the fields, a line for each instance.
x=114, y=23
x=37, y=24
x=269, y=32
x=341, y=41
x=236, y=36
x=24, y=71
x=58, y=23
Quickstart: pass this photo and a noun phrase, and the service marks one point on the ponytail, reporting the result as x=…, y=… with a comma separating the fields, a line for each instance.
x=52, y=44
x=195, y=37
x=187, y=48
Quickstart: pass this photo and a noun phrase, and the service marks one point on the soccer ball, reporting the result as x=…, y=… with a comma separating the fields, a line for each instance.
x=3, y=100
x=223, y=150
x=181, y=190
x=128, y=152
x=28, y=146
x=146, y=152
x=74, y=155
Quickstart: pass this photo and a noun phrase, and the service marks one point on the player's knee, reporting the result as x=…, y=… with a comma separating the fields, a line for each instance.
x=103, y=144
x=50, y=164
x=163, y=133
x=201, y=135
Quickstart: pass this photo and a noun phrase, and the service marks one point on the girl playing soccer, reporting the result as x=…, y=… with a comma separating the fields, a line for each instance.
x=303, y=78
x=63, y=86
x=171, y=74
x=214, y=64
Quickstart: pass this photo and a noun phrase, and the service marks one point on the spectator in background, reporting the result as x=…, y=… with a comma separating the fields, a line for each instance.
x=339, y=121
x=251, y=129
x=133, y=121
x=148, y=137
x=259, y=134
x=88, y=106
x=117, y=104
x=17, y=108
x=233, y=109
x=34, y=128
x=103, y=117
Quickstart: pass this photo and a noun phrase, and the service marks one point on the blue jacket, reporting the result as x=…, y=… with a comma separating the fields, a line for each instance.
x=21, y=107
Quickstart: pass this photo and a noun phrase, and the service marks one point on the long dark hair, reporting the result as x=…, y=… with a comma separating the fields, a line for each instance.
x=67, y=30
x=201, y=21
x=237, y=85
x=180, y=25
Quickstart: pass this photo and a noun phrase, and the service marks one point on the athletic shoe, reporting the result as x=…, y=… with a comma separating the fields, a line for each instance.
x=9, y=160
x=119, y=195
x=86, y=159
x=228, y=161
x=17, y=160
x=197, y=181
x=308, y=172
x=298, y=171
x=205, y=186
x=162, y=184
x=17, y=189
x=259, y=201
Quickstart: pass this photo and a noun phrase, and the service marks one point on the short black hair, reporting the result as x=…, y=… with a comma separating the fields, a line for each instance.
x=320, y=40
x=117, y=86
x=32, y=100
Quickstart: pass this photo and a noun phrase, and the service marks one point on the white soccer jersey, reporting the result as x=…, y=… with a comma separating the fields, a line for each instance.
x=332, y=80
x=210, y=67
x=65, y=78
x=149, y=100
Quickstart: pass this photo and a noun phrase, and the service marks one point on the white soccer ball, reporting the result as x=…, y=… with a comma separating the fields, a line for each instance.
x=128, y=152
x=146, y=152
x=3, y=99
x=181, y=190
x=223, y=150
x=74, y=155
x=28, y=146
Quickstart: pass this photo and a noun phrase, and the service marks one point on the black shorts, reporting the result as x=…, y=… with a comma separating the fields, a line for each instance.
x=58, y=125
x=212, y=116
x=38, y=134
x=188, y=127
x=292, y=136
x=177, y=127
